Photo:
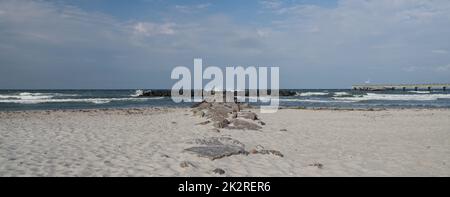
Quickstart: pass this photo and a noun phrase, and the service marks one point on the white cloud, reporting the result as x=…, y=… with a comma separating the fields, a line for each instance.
x=271, y=4
x=202, y=6
x=262, y=33
x=151, y=29
x=411, y=68
x=443, y=68
x=192, y=8
x=439, y=51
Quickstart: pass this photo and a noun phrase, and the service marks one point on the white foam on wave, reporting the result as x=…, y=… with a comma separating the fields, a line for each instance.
x=34, y=96
x=85, y=100
x=256, y=98
x=396, y=97
x=26, y=95
x=420, y=92
x=341, y=94
x=100, y=101
x=315, y=101
x=312, y=94
x=137, y=93
x=267, y=99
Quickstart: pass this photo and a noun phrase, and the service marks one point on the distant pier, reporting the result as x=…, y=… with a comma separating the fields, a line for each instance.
x=404, y=87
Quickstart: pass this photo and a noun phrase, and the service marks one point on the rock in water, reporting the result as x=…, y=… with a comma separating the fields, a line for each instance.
x=156, y=93
x=287, y=93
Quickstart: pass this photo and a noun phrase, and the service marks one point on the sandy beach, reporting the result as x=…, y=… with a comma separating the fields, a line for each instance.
x=152, y=142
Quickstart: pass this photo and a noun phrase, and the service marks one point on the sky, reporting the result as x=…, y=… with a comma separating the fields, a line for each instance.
x=116, y=44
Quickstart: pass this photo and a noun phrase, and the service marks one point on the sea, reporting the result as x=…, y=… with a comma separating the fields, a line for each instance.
x=18, y=100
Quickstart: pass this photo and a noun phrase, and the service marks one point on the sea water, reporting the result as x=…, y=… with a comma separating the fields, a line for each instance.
x=13, y=100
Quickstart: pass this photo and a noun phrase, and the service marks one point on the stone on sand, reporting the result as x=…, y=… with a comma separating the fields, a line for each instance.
x=244, y=125
x=221, y=123
x=265, y=152
x=219, y=171
x=186, y=164
x=212, y=141
x=217, y=147
x=248, y=115
x=216, y=152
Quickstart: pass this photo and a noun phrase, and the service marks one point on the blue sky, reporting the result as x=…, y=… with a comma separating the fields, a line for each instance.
x=136, y=44
x=154, y=9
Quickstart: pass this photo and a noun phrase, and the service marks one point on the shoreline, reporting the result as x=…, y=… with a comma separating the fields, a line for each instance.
x=252, y=106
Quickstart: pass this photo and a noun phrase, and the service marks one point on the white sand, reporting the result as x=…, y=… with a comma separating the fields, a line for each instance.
x=150, y=142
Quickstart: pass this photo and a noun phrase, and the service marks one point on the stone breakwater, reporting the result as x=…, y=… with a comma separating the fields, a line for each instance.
x=228, y=115
x=167, y=93
x=236, y=116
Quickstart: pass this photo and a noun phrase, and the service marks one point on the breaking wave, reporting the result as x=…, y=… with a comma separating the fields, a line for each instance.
x=137, y=93
x=420, y=92
x=342, y=94
x=312, y=94
x=315, y=101
x=35, y=98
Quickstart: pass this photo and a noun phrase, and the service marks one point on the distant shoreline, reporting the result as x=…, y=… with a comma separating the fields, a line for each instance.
x=112, y=109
